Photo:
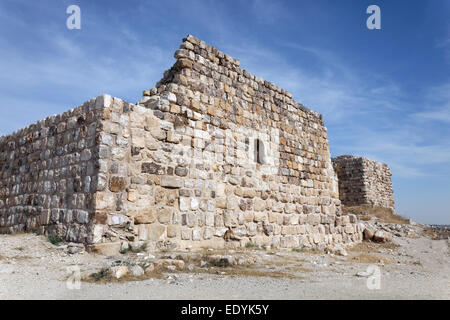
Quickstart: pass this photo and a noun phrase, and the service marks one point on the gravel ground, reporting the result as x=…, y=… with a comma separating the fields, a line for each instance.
x=414, y=268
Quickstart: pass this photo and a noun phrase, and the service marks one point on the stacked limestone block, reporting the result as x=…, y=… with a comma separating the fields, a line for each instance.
x=364, y=182
x=211, y=157
x=48, y=175
x=235, y=153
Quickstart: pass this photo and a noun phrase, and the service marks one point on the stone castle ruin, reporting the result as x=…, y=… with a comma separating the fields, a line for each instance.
x=364, y=182
x=211, y=157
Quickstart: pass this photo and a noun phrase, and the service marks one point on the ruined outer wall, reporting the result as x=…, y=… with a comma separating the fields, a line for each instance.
x=188, y=173
x=48, y=175
x=364, y=182
x=213, y=156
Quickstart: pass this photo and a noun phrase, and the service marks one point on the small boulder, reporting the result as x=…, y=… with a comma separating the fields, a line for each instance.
x=124, y=246
x=150, y=269
x=381, y=236
x=119, y=271
x=220, y=261
x=73, y=250
x=171, y=268
x=106, y=249
x=137, y=271
x=368, y=233
x=177, y=264
x=339, y=250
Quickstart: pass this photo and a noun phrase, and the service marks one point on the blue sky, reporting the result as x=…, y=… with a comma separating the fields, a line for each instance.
x=384, y=94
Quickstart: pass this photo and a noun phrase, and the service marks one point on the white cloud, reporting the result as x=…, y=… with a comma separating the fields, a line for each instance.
x=437, y=105
x=268, y=12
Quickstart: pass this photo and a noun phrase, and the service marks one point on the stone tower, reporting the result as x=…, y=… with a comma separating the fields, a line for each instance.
x=364, y=182
x=211, y=151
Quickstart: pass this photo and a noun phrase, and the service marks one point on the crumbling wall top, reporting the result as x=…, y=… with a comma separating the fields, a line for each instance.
x=208, y=60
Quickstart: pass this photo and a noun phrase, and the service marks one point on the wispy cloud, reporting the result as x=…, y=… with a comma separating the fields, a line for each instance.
x=437, y=105
x=268, y=12
x=65, y=69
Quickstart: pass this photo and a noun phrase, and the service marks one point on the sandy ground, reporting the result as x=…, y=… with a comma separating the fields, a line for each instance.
x=32, y=268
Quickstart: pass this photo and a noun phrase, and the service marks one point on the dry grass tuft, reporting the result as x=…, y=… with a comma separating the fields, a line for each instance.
x=248, y=271
x=369, y=258
x=16, y=258
x=308, y=250
x=299, y=269
x=283, y=261
x=369, y=246
x=365, y=213
x=437, y=233
x=365, y=252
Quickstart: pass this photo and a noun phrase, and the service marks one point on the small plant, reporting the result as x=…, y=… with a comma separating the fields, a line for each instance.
x=251, y=245
x=125, y=250
x=55, y=240
x=127, y=263
x=104, y=272
x=305, y=249
x=143, y=265
x=142, y=248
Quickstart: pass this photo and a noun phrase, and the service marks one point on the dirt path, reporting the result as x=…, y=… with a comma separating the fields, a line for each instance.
x=32, y=268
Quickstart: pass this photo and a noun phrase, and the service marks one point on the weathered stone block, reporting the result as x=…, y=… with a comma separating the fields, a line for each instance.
x=173, y=231
x=197, y=234
x=171, y=182
x=155, y=231
x=117, y=184
x=260, y=205
x=145, y=216
x=106, y=249
x=164, y=215
x=186, y=234
x=184, y=203
x=152, y=168
x=260, y=216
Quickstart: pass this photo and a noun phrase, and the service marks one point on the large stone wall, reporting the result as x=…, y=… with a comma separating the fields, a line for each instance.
x=196, y=176
x=48, y=175
x=212, y=156
x=364, y=182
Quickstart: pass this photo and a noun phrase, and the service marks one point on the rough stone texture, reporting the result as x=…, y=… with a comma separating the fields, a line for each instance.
x=48, y=174
x=211, y=157
x=364, y=182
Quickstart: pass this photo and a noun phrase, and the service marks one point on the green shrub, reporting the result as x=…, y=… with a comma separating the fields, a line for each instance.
x=251, y=245
x=54, y=239
x=104, y=272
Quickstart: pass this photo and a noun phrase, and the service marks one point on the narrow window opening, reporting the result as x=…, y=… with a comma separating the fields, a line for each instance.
x=259, y=151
